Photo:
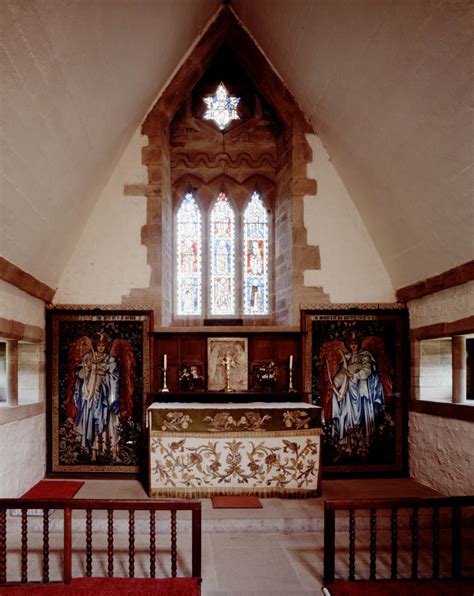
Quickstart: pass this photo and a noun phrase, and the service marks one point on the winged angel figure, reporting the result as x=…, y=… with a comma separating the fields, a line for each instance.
x=355, y=379
x=99, y=393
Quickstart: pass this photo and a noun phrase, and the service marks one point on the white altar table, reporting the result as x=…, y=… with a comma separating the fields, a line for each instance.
x=259, y=448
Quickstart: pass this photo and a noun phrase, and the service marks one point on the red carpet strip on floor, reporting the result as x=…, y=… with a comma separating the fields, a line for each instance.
x=85, y=586
x=402, y=588
x=236, y=502
x=53, y=489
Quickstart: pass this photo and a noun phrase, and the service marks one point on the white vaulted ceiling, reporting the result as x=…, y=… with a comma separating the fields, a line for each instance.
x=387, y=85
x=77, y=78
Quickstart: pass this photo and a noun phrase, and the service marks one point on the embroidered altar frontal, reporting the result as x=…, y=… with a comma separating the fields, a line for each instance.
x=264, y=449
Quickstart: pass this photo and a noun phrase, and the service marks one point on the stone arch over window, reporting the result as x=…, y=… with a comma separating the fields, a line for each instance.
x=265, y=150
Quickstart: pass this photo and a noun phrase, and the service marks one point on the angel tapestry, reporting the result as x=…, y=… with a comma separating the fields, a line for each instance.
x=354, y=372
x=97, y=394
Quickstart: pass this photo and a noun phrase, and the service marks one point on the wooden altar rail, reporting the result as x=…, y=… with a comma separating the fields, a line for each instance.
x=90, y=505
x=455, y=505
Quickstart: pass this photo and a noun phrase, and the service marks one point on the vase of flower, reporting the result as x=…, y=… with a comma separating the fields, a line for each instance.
x=267, y=374
x=189, y=377
x=267, y=385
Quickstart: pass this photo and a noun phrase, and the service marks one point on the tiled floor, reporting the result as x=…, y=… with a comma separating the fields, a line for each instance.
x=274, y=550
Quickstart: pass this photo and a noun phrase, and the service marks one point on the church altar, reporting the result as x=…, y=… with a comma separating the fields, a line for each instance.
x=260, y=448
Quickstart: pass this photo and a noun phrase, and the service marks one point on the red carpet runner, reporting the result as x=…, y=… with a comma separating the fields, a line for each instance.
x=402, y=588
x=85, y=586
x=53, y=489
x=236, y=502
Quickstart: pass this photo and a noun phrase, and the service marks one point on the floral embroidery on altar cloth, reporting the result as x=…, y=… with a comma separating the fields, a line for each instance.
x=271, y=462
x=224, y=421
x=296, y=419
x=176, y=421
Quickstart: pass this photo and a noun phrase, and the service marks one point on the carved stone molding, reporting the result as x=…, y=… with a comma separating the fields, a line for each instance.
x=266, y=151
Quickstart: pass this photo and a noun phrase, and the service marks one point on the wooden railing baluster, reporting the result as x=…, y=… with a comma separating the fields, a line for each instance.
x=394, y=543
x=88, y=542
x=373, y=544
x=67, y=545
x=173, y=543
x=3, y=546
x=196, y=544
x=131, y=543
x=24, y=546
x=110, y=542
x=153, y=543
x=45, y=546
x=351, y=545
x=456, y=542
x=86, y=505
x=329, y=543
x=457, y=505
x=415, y=539
x=435, y=523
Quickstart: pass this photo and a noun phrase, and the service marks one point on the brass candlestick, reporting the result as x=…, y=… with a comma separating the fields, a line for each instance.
x=291, y=389
x=227, y=387
x=164, y=388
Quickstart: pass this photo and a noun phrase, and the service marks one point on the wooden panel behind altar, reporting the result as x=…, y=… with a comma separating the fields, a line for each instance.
x=263, y=449
x=190, y=348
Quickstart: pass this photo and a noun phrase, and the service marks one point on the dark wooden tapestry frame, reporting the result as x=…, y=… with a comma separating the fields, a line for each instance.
x=98, y=363
x=355, y=366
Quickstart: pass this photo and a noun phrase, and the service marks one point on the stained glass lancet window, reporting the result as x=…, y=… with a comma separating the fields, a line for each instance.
x=189, y=258
x=255, y=237
x=222, y=257
x=221, y=107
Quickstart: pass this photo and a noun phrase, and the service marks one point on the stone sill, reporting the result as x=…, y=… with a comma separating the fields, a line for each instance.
x=235, y=329
x=443, y=409
x=14, y=413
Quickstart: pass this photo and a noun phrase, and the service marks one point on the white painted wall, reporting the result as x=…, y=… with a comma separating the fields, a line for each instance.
x=442, y=453
x=22, y=441
x=109, y=258
x=436, y=370
x=23, y=460
x=441, y=449
x=443, y=307
x=351, y=268
x=20, y=306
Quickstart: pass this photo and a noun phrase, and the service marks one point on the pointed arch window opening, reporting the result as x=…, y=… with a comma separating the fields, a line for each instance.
x=255, y=261
x=189, y=240
x=222, y=258
x=207, y=251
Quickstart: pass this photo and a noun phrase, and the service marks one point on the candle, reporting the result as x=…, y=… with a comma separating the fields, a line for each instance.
x=291, y=361
x=165, y=361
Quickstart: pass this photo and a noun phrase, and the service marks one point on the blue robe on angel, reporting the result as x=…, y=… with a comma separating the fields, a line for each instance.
x=354, y=382
x=101, y=383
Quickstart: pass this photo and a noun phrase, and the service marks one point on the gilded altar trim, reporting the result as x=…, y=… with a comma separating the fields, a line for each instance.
x=234, y=420
x=232, y=435
x=206, y=493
